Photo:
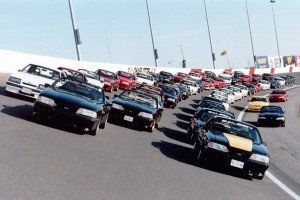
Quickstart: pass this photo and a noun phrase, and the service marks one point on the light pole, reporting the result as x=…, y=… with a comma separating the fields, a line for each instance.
x=211, y=49
x=154, y=50
x=254, y=58
x=76, y=32
x=272, y=2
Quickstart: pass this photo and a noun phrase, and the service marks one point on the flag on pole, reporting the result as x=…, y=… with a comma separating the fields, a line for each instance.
x=224, y=53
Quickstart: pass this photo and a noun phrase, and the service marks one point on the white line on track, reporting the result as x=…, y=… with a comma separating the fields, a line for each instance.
x=268, y=174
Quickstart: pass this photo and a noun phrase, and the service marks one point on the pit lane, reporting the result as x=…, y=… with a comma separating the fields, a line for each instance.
x=48, y=161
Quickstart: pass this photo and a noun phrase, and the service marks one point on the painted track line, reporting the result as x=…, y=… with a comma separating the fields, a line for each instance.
x=268, y=174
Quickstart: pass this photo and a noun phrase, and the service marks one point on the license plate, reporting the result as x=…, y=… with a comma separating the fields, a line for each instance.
x=236, y=163
x=26, y=90
x=128, y=118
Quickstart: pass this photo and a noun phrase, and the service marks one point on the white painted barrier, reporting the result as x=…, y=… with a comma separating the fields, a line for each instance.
x=11, y=61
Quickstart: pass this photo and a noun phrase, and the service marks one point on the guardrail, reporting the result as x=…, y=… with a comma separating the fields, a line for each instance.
x=11, y=61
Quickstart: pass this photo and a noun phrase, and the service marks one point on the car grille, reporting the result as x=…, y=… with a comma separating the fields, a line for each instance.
x=239, y=154
x=130, y=111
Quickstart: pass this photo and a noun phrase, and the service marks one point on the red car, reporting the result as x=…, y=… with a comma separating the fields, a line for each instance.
x=219, y=83
x=245, y=78
x=256, y=77
x=180, y=76
x=111, y=80
x=278, y=95
x=127, y=80
x=208, y=84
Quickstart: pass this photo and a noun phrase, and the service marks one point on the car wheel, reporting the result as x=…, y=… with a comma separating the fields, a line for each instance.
x=94, y=132
x=259, y=176
x=103, y=125
x=283, y=124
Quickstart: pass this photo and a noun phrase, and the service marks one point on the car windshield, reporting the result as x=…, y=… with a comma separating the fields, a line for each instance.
x=236, y=128
x=169, y=90
x=205, y=115
x=258, y=99
x=165, y=73
x=140, y=98
x=126, y=75
x=144, y=76
x=81, y=89
x=107, y=74
x=42, y=72
x=278, y=92
x=271, y=109
x=212, y=105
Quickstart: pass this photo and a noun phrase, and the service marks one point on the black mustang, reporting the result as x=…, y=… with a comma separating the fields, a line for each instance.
x=234, y=143
x=271, y=115
x=84, y=105
x=136, y=108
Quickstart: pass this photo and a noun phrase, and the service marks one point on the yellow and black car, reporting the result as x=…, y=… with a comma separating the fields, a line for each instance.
x=234, y=143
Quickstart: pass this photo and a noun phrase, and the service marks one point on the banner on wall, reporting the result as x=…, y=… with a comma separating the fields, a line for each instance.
x=274, y=62
x=289, y=61
x=297, y=61
x=262, y=62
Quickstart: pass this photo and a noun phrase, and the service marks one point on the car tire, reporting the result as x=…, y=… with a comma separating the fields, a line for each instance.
x=94, y=132
x=283, y=124
x=151, y=129
x=259, y=177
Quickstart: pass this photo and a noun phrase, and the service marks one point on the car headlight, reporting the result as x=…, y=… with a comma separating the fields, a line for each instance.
x=125, y=83
x=14, y=79
x=41, y=87
x=217, y=146
x=280, y=118
x=260, y=158
x=86, y=112
x=117, y=106
x=146, y=115
x=107, y=83
x=170, y=99
x=46, y=100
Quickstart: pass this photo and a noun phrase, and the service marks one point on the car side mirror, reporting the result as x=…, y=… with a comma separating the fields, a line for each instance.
x=116, y=95
x=107, y=97
x=47, y=85
x=264, y=143
x=283, y=111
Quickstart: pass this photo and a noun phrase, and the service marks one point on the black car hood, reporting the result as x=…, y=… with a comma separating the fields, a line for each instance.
x=62, y=97
x=167, y=95
x=134, y=104
x=222, y=139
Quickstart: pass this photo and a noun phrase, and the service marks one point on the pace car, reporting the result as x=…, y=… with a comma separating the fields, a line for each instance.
x=234, y=143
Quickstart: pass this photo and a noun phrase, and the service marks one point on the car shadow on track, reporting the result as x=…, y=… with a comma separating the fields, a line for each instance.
x=238, y=108
x=183, y=117
x=15, y=96
x=187, y=110
x=24, y=112
x=174, y=134
x=186, y=155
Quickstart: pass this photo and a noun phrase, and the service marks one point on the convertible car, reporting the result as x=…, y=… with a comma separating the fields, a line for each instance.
x=256, y=102
x=31, y=80
x=234, y=143
x=81, y=104
x=136, y=108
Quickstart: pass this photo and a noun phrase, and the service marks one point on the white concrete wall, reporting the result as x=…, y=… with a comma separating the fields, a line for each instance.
x=11, y=61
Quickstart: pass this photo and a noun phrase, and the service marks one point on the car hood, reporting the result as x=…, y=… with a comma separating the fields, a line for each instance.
x=143, y=80
x=71, y=100
x=106, y=79
x=32, y=79
x=134, y=104
x=124, y=79
x=276, y=95
x=238, y=143
x=258, y=103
